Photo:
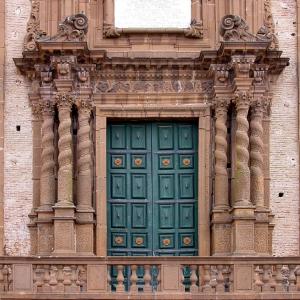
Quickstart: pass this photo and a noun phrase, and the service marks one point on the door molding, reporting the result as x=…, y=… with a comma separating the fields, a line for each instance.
x=203, y=115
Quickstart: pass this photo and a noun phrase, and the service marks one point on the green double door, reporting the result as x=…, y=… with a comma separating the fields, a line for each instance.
x=152, y=189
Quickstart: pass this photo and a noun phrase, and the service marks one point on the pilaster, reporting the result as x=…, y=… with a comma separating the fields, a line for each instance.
x=259, y=108
x=47, y=177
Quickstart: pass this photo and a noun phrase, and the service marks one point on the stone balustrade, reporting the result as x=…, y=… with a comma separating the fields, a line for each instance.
x=150, y=277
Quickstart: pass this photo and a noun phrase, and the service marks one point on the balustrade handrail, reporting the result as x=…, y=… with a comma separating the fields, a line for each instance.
x=153, y=260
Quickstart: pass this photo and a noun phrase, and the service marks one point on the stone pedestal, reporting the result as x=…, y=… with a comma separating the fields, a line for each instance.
x=85, y=232
x=243, y=237
x=64, y=231
x=45, y=237
x=221, y=233
x=262, y=231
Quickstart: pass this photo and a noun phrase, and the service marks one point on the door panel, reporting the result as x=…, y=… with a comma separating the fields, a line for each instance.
x=152, y=189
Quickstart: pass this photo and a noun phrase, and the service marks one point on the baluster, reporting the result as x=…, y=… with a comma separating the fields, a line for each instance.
x=108, y=279
x=1, y=279
x=120, y=279
x=46, y=285
x=53, y=278
x=67, y=273
x=206, y=280
x=82, y=278
x=182, y=285
x=220, y=279
x=39, y=272
x=159, y=278
x=194, y=278
x=147, y=279
x=266, y=279
x=258, y=284
x=213, y=278
x=278, y=279
x=133, y=279
x=74, y=278
x=298, y=278
x=273, y=278
x=231, y=279
x=292, y=279
x=60, y=279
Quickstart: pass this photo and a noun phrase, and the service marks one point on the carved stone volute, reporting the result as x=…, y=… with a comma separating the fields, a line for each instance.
x=234, y=28
x=73, y=29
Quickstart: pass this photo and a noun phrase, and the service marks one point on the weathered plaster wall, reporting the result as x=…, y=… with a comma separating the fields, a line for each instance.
x=284, y=136
x=18, y=144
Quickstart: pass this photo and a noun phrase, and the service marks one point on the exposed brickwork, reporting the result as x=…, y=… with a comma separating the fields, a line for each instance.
x=18, y=144
x=284, y=137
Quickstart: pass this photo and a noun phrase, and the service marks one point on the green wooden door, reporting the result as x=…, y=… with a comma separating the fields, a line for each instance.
x=152, y=188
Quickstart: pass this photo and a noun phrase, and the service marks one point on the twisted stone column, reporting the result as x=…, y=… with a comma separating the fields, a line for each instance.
x=84, y=158
x=242, y=174
x=47, y=179
x=65, y=157
x=64, y=227
x=256, y=154
x=221, y=175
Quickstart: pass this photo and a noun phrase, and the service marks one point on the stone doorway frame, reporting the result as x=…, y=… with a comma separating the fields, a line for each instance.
x=203, y=116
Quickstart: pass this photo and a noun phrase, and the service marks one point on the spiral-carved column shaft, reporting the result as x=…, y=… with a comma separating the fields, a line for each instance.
x=84, y=160
x=47, y=180
x=65, y=157
x=242, y=174
x=256, y=154
x=221, y=175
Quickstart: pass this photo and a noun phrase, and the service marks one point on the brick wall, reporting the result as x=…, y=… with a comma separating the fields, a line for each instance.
x=18, y=144
x=284, y=136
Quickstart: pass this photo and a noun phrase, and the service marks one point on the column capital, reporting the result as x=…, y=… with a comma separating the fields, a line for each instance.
x=221, y=104
x=64, y=100
x=85, y=106
x=47, y=108
x=242, y=99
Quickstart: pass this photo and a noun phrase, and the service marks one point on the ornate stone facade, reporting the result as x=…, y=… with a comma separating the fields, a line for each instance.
x=89, y=72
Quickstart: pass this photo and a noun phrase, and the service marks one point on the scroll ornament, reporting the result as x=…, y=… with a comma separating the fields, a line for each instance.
x=235, y=29
x=72, y=29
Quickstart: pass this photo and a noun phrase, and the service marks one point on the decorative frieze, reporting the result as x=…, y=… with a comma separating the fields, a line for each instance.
x=145, y=86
